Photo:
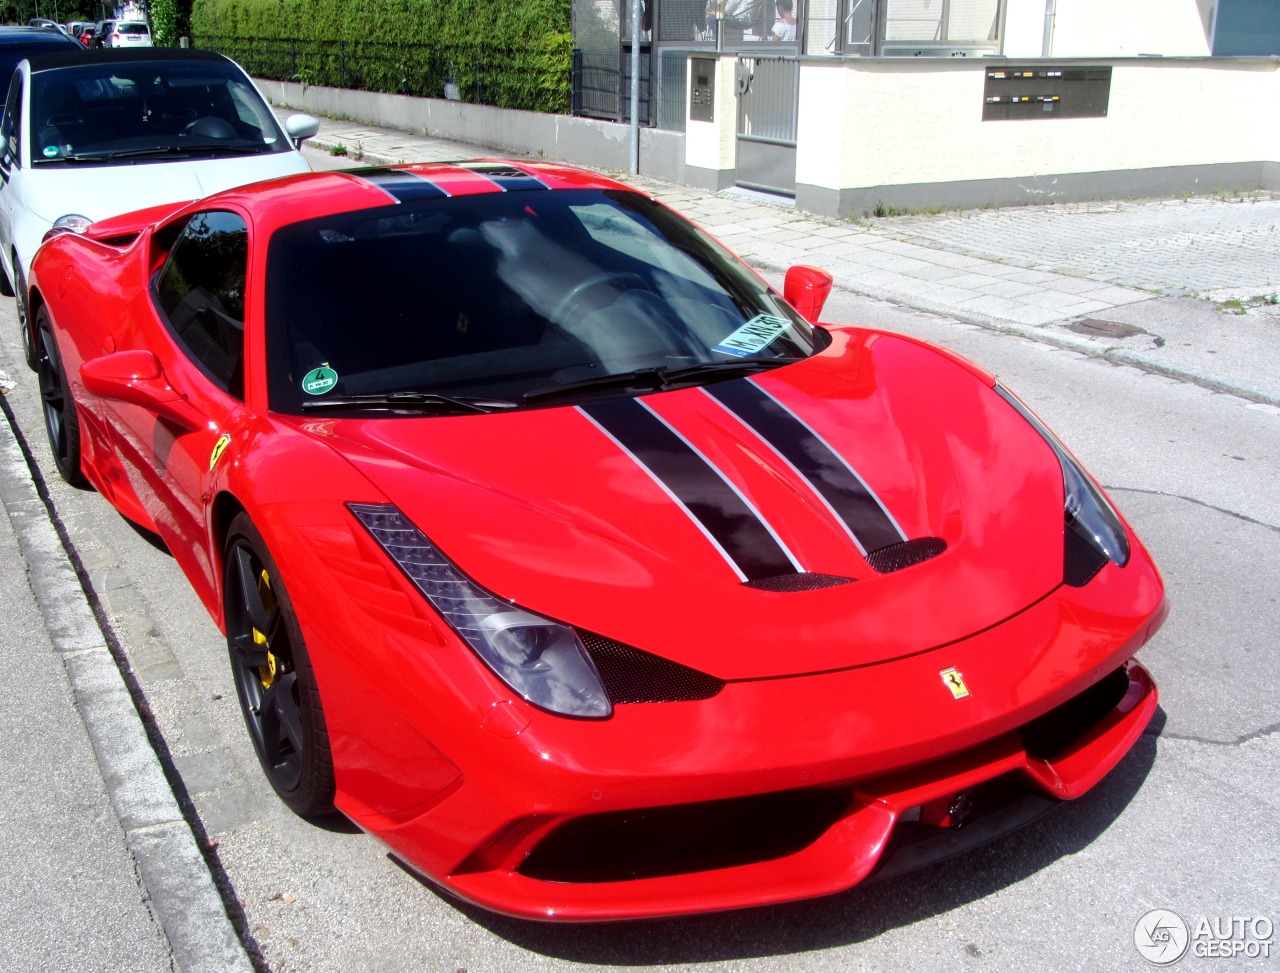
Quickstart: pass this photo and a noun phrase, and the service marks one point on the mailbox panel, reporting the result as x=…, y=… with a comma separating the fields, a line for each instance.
x=1039, y=91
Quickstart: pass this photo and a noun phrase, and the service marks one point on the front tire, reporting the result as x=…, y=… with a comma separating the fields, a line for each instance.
x=31, y=349
x=274, y=679
x=61, y=420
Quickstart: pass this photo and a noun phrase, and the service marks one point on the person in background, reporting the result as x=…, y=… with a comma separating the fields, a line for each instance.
x=784, y=28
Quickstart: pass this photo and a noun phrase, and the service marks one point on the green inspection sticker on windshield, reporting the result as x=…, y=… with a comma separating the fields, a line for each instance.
x=758, y=333
x=320, y=380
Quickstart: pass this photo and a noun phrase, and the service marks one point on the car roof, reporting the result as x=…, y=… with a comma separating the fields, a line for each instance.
x=293, y=199
x=37, y=36
x=116, y=55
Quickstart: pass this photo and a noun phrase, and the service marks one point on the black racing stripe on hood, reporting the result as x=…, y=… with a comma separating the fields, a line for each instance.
x=831, y=477
x=401, y=185
x=507, y=178
x=724, y=516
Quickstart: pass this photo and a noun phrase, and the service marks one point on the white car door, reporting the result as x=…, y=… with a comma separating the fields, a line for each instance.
x=11, y=131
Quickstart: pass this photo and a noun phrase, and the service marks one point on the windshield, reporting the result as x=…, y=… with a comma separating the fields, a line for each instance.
x=148, y=111
x=509, y=297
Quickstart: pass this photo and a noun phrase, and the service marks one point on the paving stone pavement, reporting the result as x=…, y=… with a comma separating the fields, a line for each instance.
x=1220, y=247
x=1183, y=287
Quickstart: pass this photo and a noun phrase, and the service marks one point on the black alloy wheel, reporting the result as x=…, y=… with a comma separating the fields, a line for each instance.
x=61, y=421
x=273, y=676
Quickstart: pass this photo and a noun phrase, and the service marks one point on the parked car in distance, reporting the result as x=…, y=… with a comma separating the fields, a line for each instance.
x=576, y=564
x=82, y=31
x=19, y=43
x=127, y=33
x=122, y=33
x=46, y=24
x=90, y=134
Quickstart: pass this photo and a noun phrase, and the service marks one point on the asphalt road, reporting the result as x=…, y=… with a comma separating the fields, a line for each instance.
x=1187, y=822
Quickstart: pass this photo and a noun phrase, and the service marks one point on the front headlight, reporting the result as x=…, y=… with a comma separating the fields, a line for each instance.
x=73, y=222
x=542, y=660
x=1089, y=515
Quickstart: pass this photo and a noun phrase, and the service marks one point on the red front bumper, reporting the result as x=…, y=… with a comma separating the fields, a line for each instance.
x=886, y=740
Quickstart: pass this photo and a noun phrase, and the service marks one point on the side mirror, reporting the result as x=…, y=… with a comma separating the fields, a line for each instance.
x=806, y=289
x=301, y=127
x=137, y=378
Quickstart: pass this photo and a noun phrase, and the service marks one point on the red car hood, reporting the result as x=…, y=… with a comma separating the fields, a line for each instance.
x=664, y=522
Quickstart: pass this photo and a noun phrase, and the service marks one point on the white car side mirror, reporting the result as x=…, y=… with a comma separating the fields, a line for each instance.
x=301, y=127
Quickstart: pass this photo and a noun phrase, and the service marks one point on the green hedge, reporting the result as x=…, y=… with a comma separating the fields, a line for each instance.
x=511, y=53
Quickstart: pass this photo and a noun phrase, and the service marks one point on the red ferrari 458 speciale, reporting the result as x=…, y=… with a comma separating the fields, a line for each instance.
x=575, y=564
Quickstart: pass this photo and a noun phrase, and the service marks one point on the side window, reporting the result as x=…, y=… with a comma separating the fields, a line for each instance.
x=11, y=125
x=200, y=289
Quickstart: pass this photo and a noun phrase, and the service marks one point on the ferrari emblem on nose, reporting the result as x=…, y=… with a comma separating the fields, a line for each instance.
x=952, y=679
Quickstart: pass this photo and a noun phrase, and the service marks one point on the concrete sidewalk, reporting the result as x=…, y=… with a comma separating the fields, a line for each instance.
x=1185, y=287
x=101, y=871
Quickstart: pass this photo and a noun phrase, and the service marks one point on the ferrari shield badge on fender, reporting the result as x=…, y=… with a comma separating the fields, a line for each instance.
x=952, y=679
x=218, y=448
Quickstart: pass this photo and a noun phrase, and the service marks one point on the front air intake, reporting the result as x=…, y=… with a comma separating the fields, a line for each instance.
x=620, y=846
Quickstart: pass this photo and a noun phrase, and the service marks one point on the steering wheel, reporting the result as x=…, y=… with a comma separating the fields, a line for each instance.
x=601, y=289
x=211, y=127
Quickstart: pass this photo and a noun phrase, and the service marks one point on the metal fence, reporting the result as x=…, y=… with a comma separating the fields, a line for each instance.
x=601, y=85
x=461, y=73
x=600, y=80
x=672, y=89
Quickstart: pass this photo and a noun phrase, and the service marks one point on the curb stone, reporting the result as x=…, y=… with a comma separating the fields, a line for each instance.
x=175, y=877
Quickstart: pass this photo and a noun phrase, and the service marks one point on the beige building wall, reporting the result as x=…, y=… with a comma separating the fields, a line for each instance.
x=876, y=123
x=1024, y=28
x=1110, y=28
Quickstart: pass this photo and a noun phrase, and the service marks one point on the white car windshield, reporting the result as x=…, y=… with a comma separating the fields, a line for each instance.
x=147, y=110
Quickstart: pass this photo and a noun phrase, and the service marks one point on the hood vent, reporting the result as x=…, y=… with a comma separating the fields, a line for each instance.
x=802, y=581
x=895, y=557
x=632, y=676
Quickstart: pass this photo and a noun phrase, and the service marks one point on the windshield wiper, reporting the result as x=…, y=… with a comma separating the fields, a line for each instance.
x=411, y=401
x=659, y=378
x=157, y=150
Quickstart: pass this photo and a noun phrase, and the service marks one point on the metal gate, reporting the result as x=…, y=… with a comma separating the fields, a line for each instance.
x=768, y=102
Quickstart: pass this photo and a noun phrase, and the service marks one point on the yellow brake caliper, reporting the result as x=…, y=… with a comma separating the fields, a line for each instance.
x=267, y=673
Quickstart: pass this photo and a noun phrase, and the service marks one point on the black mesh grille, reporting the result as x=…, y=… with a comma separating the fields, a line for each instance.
x=895, y=557
x=1080, y=559
x=804, y=581
x=621, y=846
x=632, y=676
x=1050, y=735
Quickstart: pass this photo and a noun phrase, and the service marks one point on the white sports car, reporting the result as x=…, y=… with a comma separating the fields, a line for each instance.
x=86, y=136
